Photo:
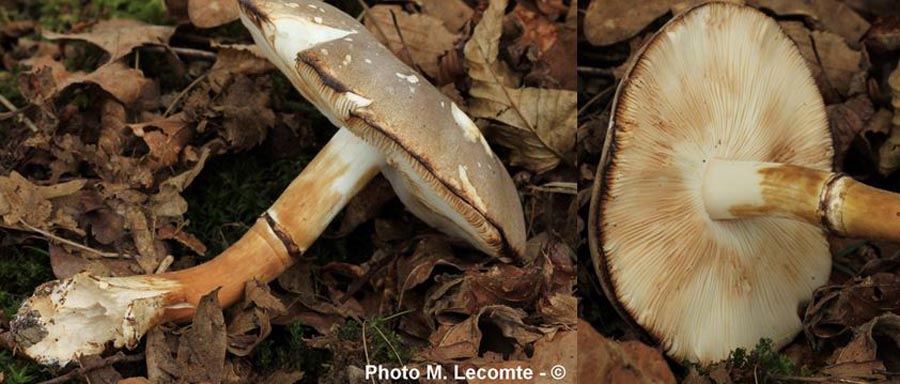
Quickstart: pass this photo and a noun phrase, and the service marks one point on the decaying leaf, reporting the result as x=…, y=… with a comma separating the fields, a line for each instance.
x=201, y=352
x=837, y=309
x=848, y=120
x=538, y=124
x=23, y=201
x=119, y=36
x=889, y=153
x=233, y=60
x=454, y=13
x=871, y=352
x=832, y=62
x=605, y=361
x=421, y=40
x=212, y=13
x=48, y=78
x=830, y=15
x=611, y=21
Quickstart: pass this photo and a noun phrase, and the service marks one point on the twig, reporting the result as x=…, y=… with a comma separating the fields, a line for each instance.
x=71, y=243
x=403, y=42
x=366, y=348
x=114, y=359
x=12, y=108
x=596, y=71
x=183, y=93
x=556, y=187
x=186, y=52
x=383, y=336
x=605, y=92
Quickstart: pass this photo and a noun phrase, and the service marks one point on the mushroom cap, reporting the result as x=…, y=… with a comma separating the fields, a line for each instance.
x=436, y=158
x=720, y=81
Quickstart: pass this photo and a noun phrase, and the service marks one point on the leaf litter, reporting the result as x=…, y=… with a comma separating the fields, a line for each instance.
x=130, y=117
x=850, y=332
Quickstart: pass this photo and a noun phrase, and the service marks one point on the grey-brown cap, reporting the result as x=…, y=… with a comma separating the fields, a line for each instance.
x=721, y=81
x=438, y=161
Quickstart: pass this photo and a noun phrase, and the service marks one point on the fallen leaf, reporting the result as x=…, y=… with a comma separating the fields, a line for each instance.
x=119, y=37
x=454, y=13
x=832, y=62
x=162, y=367
x=424, y=38
x=837, y=309
x=212, y=13
x=538, y=124
x=202, y=348
x=247, y=116
x=165, y=137
x=23, y=201
x=871, y=352
x=829, y=15
x=233, y=60
x=884, y=36
x=889, y=153
x=48, y=78
x=605, y=361
x=611, y=21
x=553, y=351
x=365, y=205
x=847, y=121
x=168, y=201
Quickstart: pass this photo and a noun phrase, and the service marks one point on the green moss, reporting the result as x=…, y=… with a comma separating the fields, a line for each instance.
x=764, y=364
x=285, y=349
x=22, y=268
x=61, y=15
x=231, y=193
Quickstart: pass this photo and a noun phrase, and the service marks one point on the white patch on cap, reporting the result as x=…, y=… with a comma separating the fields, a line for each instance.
x=469, y=189
x=348, y=39
x=292, y=5
x=317, y=19
x=347, y=60
x=324, y=51
x=313, y=6
x=410, y=78
x=470, y=130
x=368, y=61
x=411, y=89
x=443, y=105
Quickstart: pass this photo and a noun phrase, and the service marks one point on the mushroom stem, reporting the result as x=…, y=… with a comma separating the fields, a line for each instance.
x=78, y=316
x=834, y=201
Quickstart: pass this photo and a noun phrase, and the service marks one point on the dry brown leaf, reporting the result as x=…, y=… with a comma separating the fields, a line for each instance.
x=832, y=62
x=828, y=15
x=212, y=13
x=425, y=38
x=605, y=361
x=23, y=201
x=151, y=251
x=558, y=349
x=889, y=153
x=539, y=123
x=246, y=112
x=836, y=309
x=202, y=349
x=168, y=201
x=160, y=355
x=119, y=36
x=165, y=137
x=365, y=205
x=611, y=21
x=48, y=78
x=236, y=59
x=454, y=13
x=847, y=121
x=870, y=353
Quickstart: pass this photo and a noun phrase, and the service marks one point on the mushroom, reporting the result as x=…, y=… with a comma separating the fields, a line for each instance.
x=714, y=193
x=390, y=120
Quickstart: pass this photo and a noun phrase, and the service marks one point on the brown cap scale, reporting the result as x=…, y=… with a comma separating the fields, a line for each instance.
x=714, y=193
